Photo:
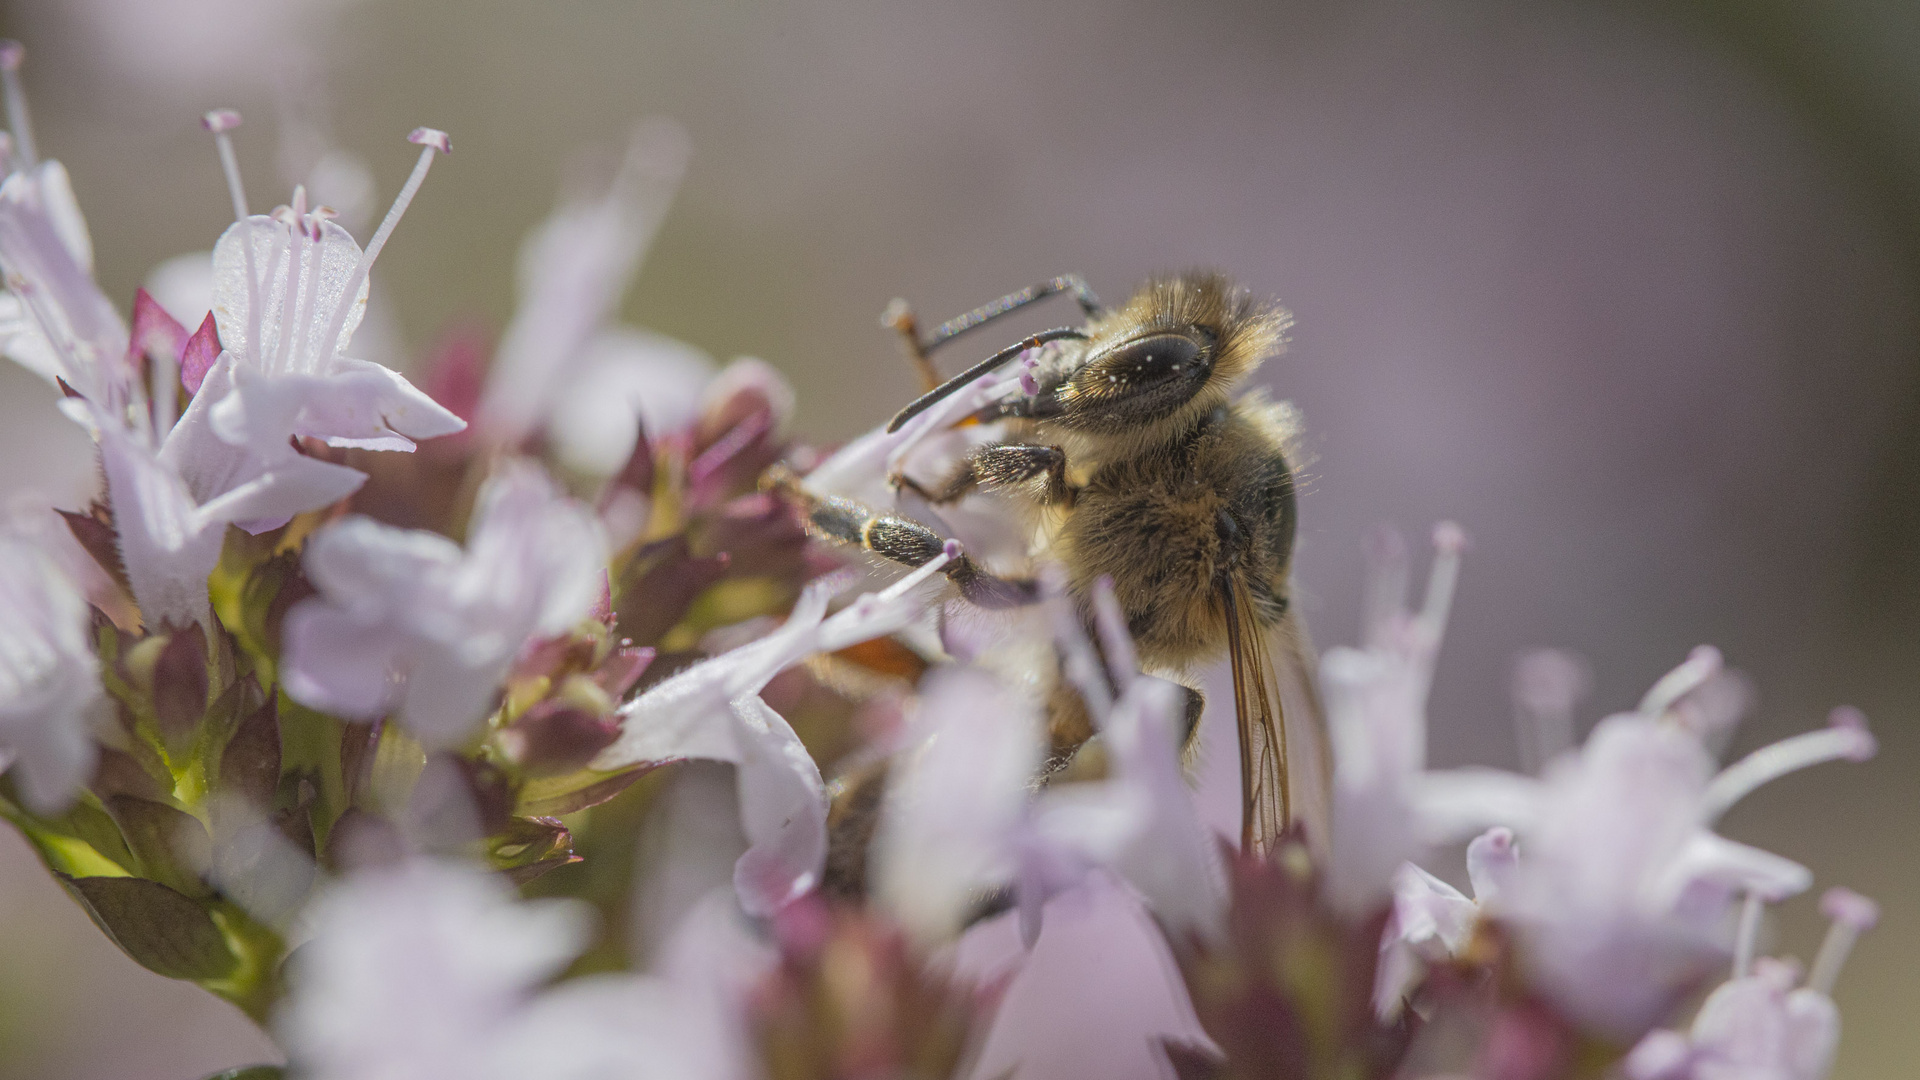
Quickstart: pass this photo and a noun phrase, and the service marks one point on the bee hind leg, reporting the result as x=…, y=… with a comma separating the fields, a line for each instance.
x=904, y=541
x=1002, y=465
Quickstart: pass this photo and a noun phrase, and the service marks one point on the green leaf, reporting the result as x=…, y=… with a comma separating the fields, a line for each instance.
x=171, y=845
x=160, y=929
x=556, y=795
x=84, y=841
x=251, y=1072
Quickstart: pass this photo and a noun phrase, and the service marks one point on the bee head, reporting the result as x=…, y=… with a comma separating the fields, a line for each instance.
x=1171, y=355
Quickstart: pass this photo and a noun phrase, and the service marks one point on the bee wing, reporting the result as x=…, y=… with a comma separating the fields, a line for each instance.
x=1283, y=751
x=1309, y=750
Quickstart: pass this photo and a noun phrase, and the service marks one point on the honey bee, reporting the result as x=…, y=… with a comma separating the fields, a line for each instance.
x=1147, y=467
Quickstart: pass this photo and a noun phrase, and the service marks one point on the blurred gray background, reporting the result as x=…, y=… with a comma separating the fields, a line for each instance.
x=1629, y=290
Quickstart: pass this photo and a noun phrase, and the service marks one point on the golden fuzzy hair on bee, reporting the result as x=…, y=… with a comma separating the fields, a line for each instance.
x=1246, y=331
x=1237, y=330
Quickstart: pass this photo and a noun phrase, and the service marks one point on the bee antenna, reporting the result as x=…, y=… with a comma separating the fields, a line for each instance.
x=947, y=389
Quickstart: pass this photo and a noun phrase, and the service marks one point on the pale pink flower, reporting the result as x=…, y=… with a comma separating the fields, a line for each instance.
x=573, y=271
x=50, y=694
x=407, y=621
x=430, y=970
x=962, y=819
x=713, y=711
x=1376, y=699
x=1624, y=889
x=1432, y=921
x=1758, y=1025
x=54, y=320
x=289, y=289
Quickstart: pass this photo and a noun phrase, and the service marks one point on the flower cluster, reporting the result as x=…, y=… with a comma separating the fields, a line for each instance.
x=374, y=708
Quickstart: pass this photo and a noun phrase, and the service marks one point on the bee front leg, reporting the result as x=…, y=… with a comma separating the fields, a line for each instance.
x=1003, y=465
x=901, y=540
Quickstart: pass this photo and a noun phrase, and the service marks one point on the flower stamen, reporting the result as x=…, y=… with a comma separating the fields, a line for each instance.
x=12, y=53
x=1702, y=663
x=431, y=141
x=220, y=122
x=1748, y=936
x=1845, y=737
x=1852, y=915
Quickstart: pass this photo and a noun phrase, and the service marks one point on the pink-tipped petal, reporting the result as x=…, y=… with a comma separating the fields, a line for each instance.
x=1449, y=537
x=197, y=358
x=220, y=120
x=12, y=53
x=154, y=331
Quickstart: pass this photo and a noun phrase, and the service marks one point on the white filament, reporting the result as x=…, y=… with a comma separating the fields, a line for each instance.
x=17, y=118
x=1442, y=578
x=1832, y=956
x=230, y=165
x=1749, y=935
x=387, y=224
x=923, y=572
x=1738, y=780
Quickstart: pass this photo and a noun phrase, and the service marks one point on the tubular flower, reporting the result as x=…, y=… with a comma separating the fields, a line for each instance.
x=408, y=621
x=289, y=289
x=962, y=818
x=713, y=711
x=1759, y=1025
x=1619, y=900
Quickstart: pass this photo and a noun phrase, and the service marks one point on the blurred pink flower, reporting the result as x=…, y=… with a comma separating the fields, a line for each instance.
x=1758, y=1026
x=1376, y=698
x=713, y=711
x=408, y=621
x=429, y=970
x=49, y=680
x=961, y=816
x=574, y=269
x=1622, y=892
x=54, y=320
x=1432, y=921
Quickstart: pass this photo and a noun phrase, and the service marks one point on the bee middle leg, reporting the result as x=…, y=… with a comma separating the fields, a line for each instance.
x=904, y=541
x=1002, y=465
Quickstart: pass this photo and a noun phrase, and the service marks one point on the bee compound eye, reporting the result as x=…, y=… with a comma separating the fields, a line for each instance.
x=1152, y=359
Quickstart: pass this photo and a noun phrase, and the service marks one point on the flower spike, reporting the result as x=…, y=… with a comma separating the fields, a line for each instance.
x=12, y=53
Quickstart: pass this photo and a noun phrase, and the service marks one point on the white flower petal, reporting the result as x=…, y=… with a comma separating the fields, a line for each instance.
x=293, y=332
x=445, y=698
x=48, y=259
x=955, y=800
x=627, y=381
x=49, y=680
x=337, y=663
x=450, y=621
x=783, y=809
x=166, y=544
